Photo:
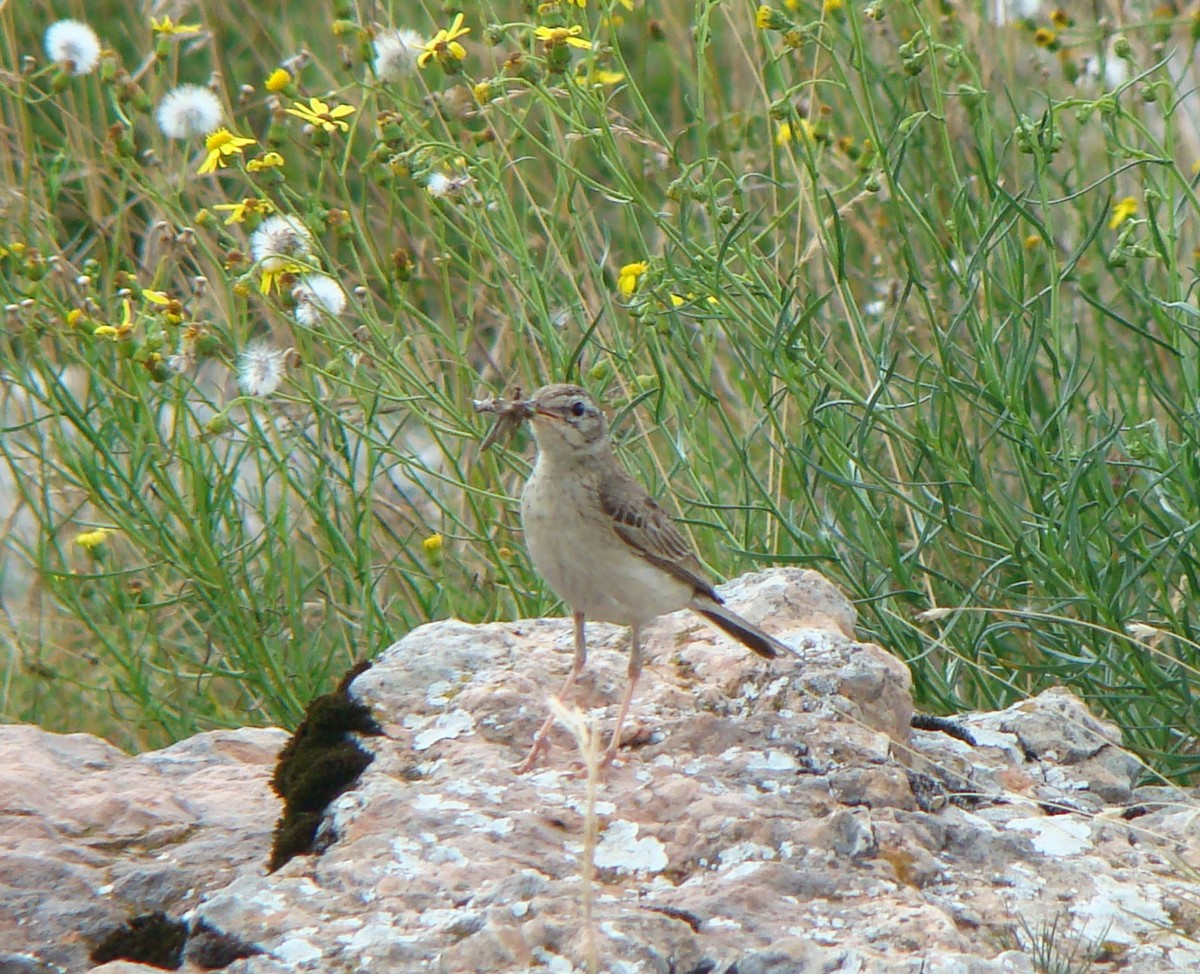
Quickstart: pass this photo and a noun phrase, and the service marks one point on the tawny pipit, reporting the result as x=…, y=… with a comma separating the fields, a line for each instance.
x=605, y=546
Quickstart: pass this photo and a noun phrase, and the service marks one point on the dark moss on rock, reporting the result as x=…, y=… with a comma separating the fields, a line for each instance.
x=319, y=763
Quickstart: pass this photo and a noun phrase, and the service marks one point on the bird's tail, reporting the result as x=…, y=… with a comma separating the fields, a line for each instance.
x=742, y=630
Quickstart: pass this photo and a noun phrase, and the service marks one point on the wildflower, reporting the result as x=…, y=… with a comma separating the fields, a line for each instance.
x=318, y=296
x=1060, y=19
x=167, y=26
x=768, y=18
x=1122, y=211
x=250, y=206
x=89, y=541
x=831, y=6
x=445, y=47
x=433, y=544
x=320, y=115
x=277, y=245
x=220, y=145
x=552, y=37
x=118, y=333
x=74, y=45
x=277, y=81
x=396, y=53
x=269, y=160
x=439, y=185
x=1031, y=241
x=260, y=369
x=1116, y=71
x=785, y=133
x=188, y=110
x=678, y=301
x=1007, y=11
x=1045, y=37
x=599, y=76
x=628, y=277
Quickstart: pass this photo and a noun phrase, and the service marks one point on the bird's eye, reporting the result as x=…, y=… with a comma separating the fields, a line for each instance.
x=578, y=408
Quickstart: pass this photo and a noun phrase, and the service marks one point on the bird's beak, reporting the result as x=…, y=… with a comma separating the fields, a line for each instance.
x=536, y=410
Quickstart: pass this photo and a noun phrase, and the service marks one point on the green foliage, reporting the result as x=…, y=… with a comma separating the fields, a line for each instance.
x=890, y=290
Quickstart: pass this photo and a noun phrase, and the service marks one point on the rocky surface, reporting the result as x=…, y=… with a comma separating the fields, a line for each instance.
x=772, y=817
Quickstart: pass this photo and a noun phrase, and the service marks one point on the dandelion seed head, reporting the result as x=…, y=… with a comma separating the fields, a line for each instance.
x=1116, y=72
x=318, y=296
x=278, y=241
x=73, y=44
x=439, y=184
x=260, y=369
x=1008, y=11
x=396, y=53
x=189, y=110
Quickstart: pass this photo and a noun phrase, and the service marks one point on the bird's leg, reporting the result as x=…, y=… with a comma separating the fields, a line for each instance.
x=635, y=670
x=539, y=742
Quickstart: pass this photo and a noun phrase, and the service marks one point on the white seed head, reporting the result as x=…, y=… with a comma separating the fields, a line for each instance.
x=439, y=185
x=279, y=240
x=74, y=45
x=1007, y=11
x=260, y=369
x=396, y=53
x=189, y=110
x=318, y=296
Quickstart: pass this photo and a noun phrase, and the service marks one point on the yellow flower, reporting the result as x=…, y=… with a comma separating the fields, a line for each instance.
x=831, y=6
x=1032, y=241
x=1122, y=211
x=168, y=26
x=784, y=134
x=444, y=43
x=677, y=301
x=270, y=160
x=75, y=316
x=119, y=332
x=220, y=145
x=553, y=36
x=599, y=76
x=91, y=540
x=317, y=113
x=628, y=277
x=156, y=297
x=239, y=211
x=277, y=80
x=433, y=544
x=1060, y=19
x=1045, y=37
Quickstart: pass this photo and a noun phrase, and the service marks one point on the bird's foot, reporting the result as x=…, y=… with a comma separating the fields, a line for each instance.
x=540, y=746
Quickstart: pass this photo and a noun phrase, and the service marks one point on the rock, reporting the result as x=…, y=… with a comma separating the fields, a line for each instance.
x=90, y=837
x=775, y=816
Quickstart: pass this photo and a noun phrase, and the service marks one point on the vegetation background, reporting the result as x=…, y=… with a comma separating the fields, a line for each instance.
x=901, y=291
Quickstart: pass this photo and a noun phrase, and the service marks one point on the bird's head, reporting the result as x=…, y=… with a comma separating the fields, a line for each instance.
x=565, y=416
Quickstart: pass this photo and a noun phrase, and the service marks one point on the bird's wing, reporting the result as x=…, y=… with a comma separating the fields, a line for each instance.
x=649, y=531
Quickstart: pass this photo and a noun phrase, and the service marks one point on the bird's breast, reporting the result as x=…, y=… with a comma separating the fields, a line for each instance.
x=573, y=546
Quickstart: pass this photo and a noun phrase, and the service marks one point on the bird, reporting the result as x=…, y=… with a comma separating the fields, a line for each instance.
x=605, y=546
